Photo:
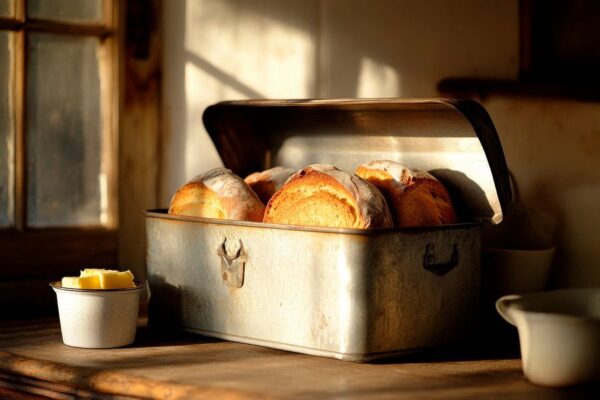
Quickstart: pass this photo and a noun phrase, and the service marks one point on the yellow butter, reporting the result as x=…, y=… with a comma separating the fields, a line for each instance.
x=116, y=280
x=97, y=278
x=96, y=271
x=82, y=282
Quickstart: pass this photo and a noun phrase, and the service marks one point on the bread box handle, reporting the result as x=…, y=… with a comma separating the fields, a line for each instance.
x=431, y=264
x=233, y=265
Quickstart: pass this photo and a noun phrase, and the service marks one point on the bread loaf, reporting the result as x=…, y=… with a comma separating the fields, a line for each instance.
x=267, y=182
x=218, y=193
x=322, y=195
x=415, y=198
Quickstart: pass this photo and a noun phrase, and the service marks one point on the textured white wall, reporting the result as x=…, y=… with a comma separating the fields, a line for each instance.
x=232, y=49
x=221, y=50
x=404, y=48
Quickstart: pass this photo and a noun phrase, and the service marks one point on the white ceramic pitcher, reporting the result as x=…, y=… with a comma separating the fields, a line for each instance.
x=559, y=333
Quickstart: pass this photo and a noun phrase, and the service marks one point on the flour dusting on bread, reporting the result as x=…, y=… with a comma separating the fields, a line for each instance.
x=415, y=198
x=372, y=204
x=267, y=182
x=217, y=193
x=322, y=195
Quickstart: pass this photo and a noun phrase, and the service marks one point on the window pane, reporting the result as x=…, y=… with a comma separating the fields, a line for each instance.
x=65, y=181
x=6, y=8
x=66, y=10
x=6, y=131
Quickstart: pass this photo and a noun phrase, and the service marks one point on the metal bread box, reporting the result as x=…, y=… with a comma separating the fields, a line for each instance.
x=349, y=294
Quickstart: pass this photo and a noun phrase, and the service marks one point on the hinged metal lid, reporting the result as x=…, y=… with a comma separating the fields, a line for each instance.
x=455, y=140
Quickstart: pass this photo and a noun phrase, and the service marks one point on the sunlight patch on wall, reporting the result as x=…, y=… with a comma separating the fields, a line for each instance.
x=251, y=52
x=235, y=51
x=376, y=79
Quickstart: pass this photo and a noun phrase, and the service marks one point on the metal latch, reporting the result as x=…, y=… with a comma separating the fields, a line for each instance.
x=232, y=266
x=430, y=262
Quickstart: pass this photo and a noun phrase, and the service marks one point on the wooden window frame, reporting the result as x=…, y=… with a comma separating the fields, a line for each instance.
x=31, y=257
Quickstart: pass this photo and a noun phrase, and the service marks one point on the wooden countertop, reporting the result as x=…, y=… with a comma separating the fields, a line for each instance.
x=34, y=363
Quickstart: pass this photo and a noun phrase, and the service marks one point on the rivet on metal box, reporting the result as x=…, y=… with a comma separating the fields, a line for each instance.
x=350, y=294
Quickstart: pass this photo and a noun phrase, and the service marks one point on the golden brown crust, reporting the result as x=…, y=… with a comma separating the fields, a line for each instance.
x=267, y=182
x=217, y=193
x=415, y=198
x=322, y=195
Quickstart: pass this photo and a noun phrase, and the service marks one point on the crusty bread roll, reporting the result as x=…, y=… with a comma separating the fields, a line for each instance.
x=415, y=198
x=322, y=195
x=218, y=193
x=267, y=182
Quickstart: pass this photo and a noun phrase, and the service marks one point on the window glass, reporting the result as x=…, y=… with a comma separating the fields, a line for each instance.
x=6, y=8
x=66, y=10
x=6, y=131
x=66, y=185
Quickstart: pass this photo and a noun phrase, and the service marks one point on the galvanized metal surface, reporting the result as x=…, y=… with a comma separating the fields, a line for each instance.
x=349, y=294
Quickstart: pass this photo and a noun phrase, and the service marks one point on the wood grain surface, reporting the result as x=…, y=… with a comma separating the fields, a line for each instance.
x=34, y=362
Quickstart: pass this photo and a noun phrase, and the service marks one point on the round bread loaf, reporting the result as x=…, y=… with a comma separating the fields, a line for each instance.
x=415, y=198
x=322, y=195
x=218, y=193
x=267, y=182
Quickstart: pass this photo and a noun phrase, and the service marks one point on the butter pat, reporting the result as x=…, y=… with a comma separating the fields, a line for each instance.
x=94, y=278
x=116, y=280
x=96, y=271
x=82, y=282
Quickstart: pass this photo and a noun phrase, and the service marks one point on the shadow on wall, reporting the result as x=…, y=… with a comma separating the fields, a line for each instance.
x=218, y=50
x=553, y=148
x=218, y=74
x=580, y=250
x=234, y=49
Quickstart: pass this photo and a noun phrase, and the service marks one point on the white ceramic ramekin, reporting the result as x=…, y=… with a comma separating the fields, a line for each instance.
x=98, y=318
x=559, y=333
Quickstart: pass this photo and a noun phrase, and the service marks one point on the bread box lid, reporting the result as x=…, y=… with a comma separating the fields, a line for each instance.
x=455, y=140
